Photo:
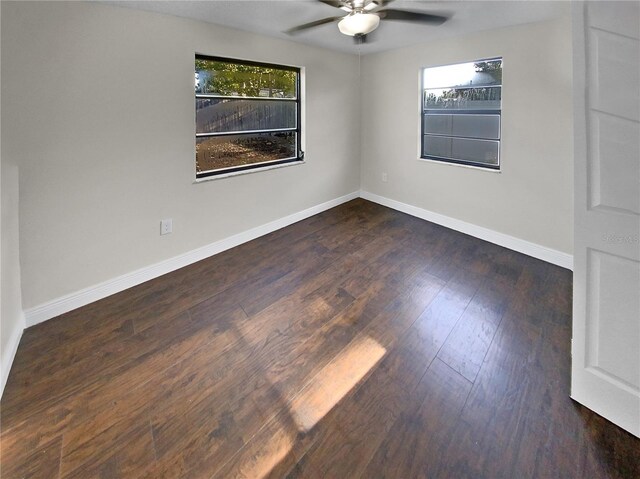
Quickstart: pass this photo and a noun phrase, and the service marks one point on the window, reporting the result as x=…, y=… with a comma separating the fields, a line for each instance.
x=461, y=110
x=247, y=115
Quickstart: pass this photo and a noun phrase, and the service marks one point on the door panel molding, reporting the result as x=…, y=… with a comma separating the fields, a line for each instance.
x=606, y=305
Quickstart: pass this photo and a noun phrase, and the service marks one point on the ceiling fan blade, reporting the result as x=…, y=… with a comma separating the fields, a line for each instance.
x=381, y=3
x=333, y=3
x=317, y=23
x=408, y=16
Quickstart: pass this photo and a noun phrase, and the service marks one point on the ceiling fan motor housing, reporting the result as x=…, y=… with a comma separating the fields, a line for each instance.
x=358, y=23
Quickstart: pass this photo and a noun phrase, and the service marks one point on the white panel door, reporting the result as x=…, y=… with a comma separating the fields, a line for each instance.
x=606, y=286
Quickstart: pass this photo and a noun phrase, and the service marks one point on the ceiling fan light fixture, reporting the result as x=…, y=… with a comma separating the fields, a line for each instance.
x=358, y=23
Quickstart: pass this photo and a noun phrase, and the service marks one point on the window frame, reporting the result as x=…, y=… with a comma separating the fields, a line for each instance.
x=254, y=167
x=497, y=112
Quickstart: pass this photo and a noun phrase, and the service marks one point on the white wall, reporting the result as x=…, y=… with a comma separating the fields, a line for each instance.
x=11, y=317
x=98, y=111
x=532, y=198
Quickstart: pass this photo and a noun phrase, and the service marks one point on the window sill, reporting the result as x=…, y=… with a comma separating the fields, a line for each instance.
x=460, y=165
x=247, y=172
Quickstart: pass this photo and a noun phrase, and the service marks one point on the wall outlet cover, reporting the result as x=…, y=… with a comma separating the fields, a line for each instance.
x=166, y=226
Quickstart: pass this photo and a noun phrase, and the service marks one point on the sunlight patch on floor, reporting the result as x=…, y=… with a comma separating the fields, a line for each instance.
x=335, y=381
x=274, y=450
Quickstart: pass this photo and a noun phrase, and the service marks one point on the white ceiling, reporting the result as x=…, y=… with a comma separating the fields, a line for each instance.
x=273, y=17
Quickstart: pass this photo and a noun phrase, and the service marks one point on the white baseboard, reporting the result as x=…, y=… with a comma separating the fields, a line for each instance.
x=88, y=295
x=516, y=244
x=9, y=354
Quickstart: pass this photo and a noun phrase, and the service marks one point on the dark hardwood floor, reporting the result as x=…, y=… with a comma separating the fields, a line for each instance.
x=360, y=342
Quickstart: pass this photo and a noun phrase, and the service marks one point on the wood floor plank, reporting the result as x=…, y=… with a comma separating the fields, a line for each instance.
x=360, y=342
x=116, y=452
x=39, y=462
x=414, y=445
x=296, y=354
x=102, y=395
x=466, y=346
x=249, y=386
x=292, y=371
x=240, y=388
x=271, y=453
x=371, y=398
x=369, y=243
x=514, y=418
x=110, y=357
x=186, y=383
x=607, y=452
x=444, y=312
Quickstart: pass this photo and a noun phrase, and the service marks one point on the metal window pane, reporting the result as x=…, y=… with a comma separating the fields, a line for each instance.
x=440, y=146
x=221, y=152
x=480, y=151
x=220, y=115
x=477, y=126
x=438, y=124
x=470, y=126
x=485, y=152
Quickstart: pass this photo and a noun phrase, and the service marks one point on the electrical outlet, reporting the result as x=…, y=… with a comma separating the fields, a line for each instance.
x=384, y=177
x=166, y=226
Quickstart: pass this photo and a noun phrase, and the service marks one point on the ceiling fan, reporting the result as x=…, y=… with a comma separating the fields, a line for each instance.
x=364, y=17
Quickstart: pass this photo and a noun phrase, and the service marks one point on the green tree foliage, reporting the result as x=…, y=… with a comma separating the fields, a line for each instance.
x=245, y=80
x=493, y=68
